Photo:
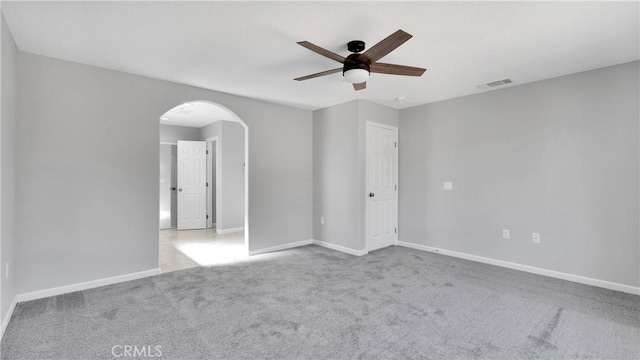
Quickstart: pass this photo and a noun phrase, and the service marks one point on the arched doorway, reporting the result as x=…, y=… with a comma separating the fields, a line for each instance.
x=191, y=133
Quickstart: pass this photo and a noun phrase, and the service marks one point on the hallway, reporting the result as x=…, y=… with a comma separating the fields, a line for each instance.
x=186, y=249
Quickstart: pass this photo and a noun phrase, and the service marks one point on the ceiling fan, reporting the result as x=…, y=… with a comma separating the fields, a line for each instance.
x=357, y=66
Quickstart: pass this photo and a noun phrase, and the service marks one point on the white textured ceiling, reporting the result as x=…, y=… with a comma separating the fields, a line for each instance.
x=195, y=114
x=249, y=48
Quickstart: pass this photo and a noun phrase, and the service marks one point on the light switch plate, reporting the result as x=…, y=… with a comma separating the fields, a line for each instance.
x=448, y=185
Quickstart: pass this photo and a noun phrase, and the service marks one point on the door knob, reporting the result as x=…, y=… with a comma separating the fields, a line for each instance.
x=180, y=189
x=173, y=188
x=372, y=194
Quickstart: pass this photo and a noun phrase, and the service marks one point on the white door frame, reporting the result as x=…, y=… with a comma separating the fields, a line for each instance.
x=166, y=186
x=211, y=221
x=210, y=189
x=395, y=180
x=173, y=143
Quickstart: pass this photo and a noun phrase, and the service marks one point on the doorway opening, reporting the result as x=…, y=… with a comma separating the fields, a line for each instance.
x=381, y=209
x=203, y=187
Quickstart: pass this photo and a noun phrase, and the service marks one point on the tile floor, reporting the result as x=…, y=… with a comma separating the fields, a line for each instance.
x=186, y=249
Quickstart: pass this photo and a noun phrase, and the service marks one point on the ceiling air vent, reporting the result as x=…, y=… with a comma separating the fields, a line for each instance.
x=496, y=83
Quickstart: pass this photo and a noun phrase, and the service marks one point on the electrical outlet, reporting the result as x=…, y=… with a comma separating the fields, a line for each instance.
x=448, y=186
x=321, y=220
x=535, y=237
x=505, y=234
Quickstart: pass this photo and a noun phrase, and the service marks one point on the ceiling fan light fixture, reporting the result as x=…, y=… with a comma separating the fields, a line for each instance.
x=357, y=67
x=356, y=76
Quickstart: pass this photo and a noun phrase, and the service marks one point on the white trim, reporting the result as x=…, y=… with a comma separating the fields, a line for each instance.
x=85, y=285
x=217, y=205
x=526, y=268
x=281, y=247
x=310, y=242
x=229, y=231
x=381, y=125
x=210, y=189
x=341, y=248
x=71, y=288
x=5, y=322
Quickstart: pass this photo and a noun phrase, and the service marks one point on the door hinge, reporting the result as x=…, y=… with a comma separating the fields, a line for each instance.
x=395, y=230
x=207, y=217
x=207, y=184
x=395, y=187
x=395, y=144
x=207, y=152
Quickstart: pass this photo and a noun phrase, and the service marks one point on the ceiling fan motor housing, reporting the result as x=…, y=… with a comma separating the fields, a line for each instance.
x=355, y=46
x=355, y=61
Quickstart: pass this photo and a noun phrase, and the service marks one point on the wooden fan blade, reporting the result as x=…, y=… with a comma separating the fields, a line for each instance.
x=323, y=73
x=393, y=69
x=390, y=43
x=360, y=86
x=317, y=49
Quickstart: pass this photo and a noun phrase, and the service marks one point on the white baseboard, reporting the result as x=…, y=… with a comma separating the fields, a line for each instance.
x=229, y=231
x=340, y=248
x=85, y=285
x=71, y=288
x=6, y=320
x=281, y=247
x=309, y=242
x=530, y=269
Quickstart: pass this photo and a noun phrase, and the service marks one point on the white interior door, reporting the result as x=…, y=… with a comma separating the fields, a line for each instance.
x=382, y=180
x=192, y=190
x=210, y=195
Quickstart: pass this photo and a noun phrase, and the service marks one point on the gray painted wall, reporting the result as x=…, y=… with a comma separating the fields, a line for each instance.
x=335, y=170
x=381, y=114
x=231, y=142
x=172, y=133
x=559, y=157
x=209, y=131
x=70, y=113
x=8, y=121
x=231, y=212
x=339, y=159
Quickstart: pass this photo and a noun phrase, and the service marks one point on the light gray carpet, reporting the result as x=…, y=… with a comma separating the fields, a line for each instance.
x=314, y=303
